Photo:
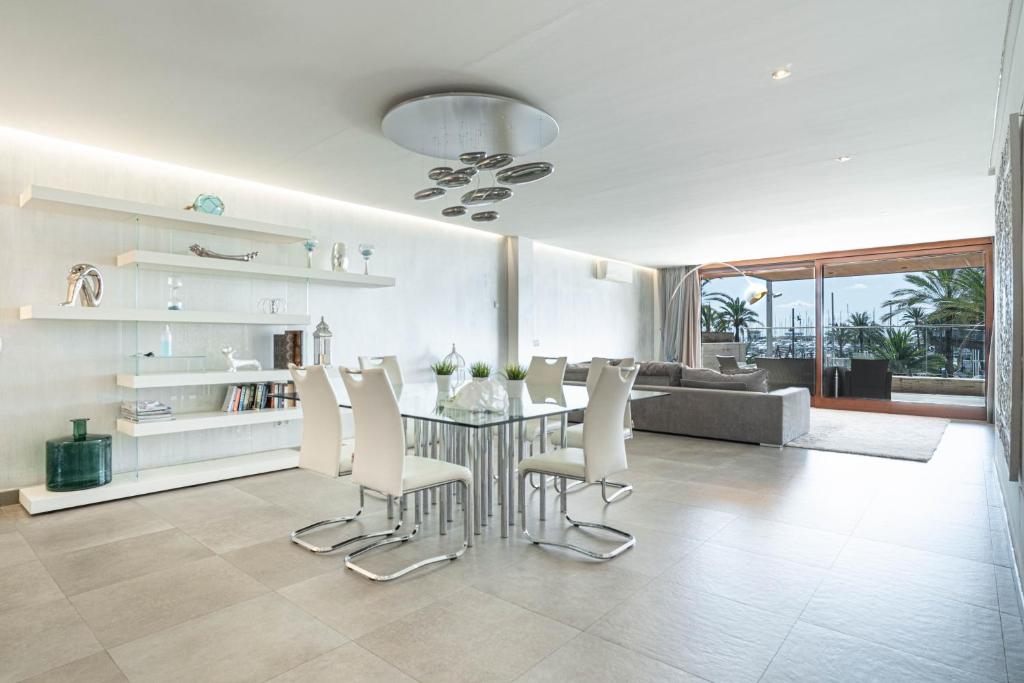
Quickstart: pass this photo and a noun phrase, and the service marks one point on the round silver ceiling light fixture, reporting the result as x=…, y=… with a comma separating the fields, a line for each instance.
x=494, y=129
x=453, y=180
x=485, y=216
x=429, y=193
x=486, y=195
x=525, y=173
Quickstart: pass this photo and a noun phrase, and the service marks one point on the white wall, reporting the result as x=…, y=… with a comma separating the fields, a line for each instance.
x=451, y=288
x=578, y=315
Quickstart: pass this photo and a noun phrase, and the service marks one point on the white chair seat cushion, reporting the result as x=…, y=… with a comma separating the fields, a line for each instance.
x=562, y=461
x=421, y=472
x=574, y=435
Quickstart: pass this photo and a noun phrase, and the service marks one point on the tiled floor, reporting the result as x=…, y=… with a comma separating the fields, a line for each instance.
x=752, y=564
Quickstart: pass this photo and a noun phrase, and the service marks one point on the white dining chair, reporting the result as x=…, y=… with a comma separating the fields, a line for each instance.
x=390, y=365
x=603, y=454
x=574, y=434
x=383, y=465
x=324, y=448
x=544, y=371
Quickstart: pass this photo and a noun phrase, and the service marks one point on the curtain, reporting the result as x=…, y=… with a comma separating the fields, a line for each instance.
x=680, y=335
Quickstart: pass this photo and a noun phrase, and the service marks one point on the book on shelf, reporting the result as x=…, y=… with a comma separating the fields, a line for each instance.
x=242, y=397
x=146, y=411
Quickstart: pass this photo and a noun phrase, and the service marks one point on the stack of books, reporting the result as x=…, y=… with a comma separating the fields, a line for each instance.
x=146, y=411
x=257, y=396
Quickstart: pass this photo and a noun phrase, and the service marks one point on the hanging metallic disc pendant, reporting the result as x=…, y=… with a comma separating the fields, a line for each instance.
x=438, y=172
x=484, y=216
x=486, y=195
x=453, y=180
x=429, y=193
x=525, y=173
x=453, y=211
x=467, y=170
x=471, y=157
x=494, y=161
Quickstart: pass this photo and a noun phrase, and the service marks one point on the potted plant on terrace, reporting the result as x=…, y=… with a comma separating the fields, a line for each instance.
x=443, y=372
x=514, y=376
x=480, y=371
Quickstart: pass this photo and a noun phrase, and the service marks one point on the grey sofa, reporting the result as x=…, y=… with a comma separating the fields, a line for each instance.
x=773, y=418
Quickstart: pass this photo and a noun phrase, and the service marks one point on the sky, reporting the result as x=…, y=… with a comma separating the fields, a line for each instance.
x=851, y=294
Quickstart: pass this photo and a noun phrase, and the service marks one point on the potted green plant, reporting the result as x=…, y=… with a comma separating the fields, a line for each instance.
x=443, y=372
x=479, y=371
x=514, y=374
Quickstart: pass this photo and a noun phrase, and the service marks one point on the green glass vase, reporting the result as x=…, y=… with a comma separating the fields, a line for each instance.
x=79, y=461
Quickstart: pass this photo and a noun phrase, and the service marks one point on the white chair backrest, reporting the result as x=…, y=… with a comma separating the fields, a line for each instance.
x=322, y=429
x=597, y=364
x=546, y=371
x=390, y=365
x=380, y=462
x=604, y=446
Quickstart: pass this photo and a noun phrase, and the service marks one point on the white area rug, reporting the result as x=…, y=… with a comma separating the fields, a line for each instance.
x=906, y=437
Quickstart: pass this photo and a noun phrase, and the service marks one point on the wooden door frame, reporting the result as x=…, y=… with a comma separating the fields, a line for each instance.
x=822, y=259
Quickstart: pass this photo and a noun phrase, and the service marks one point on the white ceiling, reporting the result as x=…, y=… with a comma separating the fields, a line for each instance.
x=675, y=145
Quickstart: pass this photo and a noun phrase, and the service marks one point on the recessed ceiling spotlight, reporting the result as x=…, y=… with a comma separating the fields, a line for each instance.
x=780, y=74
x=843, y=159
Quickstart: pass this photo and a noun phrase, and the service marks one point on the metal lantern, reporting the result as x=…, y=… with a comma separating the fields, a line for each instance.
x=456, y=359
x=322, y=343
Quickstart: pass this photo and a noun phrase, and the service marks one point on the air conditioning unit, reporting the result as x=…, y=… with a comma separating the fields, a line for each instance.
x=614, y=271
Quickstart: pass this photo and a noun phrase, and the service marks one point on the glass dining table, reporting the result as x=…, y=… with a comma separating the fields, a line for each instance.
x=483, y=441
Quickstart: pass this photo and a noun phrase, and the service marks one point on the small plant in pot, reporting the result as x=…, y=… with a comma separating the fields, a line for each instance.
x=514, y=377
x=479, y=371
x=444, y=371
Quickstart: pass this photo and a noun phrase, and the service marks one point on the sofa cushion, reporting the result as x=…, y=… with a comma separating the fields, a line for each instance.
x=576, y=372
x=659, y=374
x=747, y=381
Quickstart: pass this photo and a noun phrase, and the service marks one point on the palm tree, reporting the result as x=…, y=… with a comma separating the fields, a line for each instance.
x=915, y=317
x=937, y=291
x=839, y=336
x=735, y=314
x=899, y=348
x=708, y=318
x=861, y=321
x=969, y=305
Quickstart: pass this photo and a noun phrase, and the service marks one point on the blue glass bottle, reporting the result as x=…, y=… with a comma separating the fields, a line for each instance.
x=79, y=461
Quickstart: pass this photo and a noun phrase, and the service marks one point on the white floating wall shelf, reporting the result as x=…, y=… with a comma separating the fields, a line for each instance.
x=214, y=419
x=80, y=203
x=111, y=314
x=154, y=260
x=200, y=379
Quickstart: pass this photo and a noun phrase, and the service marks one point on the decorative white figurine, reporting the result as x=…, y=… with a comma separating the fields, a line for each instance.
x=236, y=364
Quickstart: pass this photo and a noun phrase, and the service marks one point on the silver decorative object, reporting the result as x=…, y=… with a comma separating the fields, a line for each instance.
x=429, y=193
x=322, y=343
x=485, y=216
x=486, y=195
x=453, y=180
x=471, y=157
x=366, y=251
x=452, y=211
x=438, y=172
x=85, y=282
x=525, y=173
x=339, y=257
x=459, y=363
x=236, y=364
x=206, y=253
x=495, y=161
x=467, y=170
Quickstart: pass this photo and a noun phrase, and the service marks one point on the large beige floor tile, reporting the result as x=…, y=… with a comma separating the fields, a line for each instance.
x=811, y=653
x=190, y=506
x=587, y=658
x=947, y=538
x=704, y=634
x=41, y=637
x=309, y=494
x=97, y=668
x=14, y=549
x=691, y=522
x=26, y=584
x=772, y=584
x=279, y=562
x=68, y=530
x=917, y=621
x=102, y=565
x=239, y=530
x=137, y=607
x=784, y=541
x=354, y=606
x=250, y=641
x=1006, y=587
x=468, y=636
x=350, y=662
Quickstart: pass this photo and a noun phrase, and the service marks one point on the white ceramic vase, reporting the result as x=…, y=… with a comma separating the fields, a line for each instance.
x=514, y=387
x=444, y=384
